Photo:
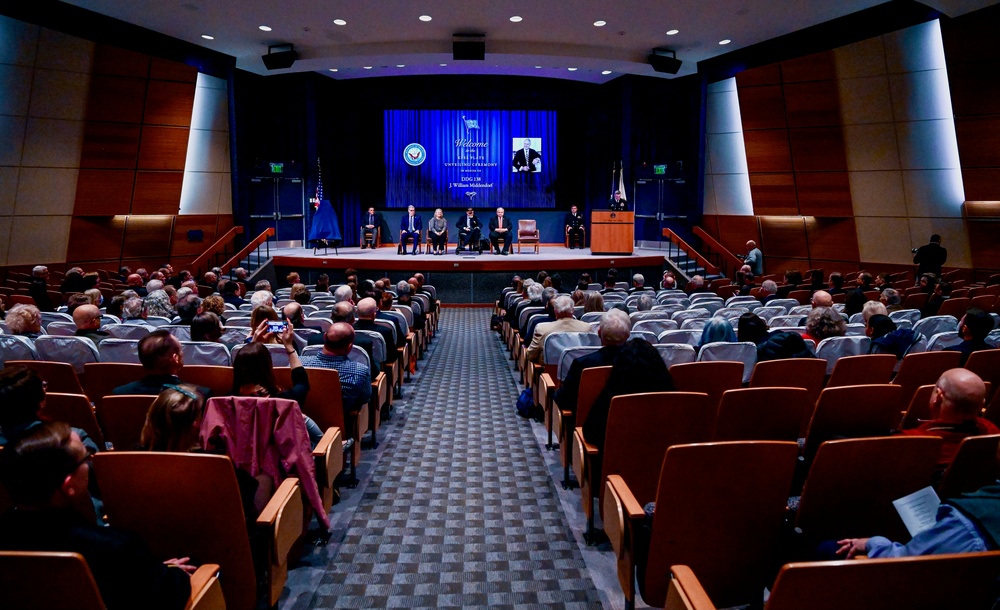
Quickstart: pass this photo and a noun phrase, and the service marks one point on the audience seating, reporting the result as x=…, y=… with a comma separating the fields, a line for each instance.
x=936, y=324
x=919, y=409
x=954, y=307
x=744, y=352
x=672, y=354
x=188, y=505
x=853, y=412
x=915, y=300
x=862, y=370
x=851, y=485
x=564, y=417
x=118, y=350
x=974, y=466
x=219, y=379
x=206, y=352
x=807, y=373
x=75, y=351
x=59, y=376
x=658, y=326
x=122, y=418
x=719, y=510
x=641, y=427
x=986, y=364
x=60, y=328
x=48, y=580
x=834, y=349
x=712, y=378
x=943, y=341
x=762, y=414
x=129, y=331
x=910, y=315
x=924, y=368
x=915, y=583
x=16, y=347
x=102, y=378
x=75, y=410
x=687, y=337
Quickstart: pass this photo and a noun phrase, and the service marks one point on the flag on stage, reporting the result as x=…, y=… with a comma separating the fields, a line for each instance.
x=318, y=199
x=618, y=179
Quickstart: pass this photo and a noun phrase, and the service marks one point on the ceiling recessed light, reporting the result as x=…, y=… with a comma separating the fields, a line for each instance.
x=367, y=67
x=207, y=37
x=606, y=72
x=516, y=18
x=726, y=41
x=333, y=69
x=539, y=67
x=265, y=28
x=425, y=17
x=339, y=22
x=400, y=65
x=572, y=69
x=672, y=32
x=600, y=23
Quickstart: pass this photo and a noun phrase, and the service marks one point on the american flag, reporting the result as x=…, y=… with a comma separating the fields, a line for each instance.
x=318, y=199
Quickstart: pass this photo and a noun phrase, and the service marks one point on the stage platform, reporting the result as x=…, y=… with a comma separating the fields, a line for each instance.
x=466, y=278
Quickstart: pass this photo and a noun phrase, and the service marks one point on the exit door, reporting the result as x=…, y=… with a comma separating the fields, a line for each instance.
x=279, y=203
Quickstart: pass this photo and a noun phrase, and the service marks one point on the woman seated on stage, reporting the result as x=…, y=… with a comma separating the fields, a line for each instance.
x=437, y=230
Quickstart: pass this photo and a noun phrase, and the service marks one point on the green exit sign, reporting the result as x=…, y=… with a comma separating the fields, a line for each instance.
x=659, y=170
x=277, y=168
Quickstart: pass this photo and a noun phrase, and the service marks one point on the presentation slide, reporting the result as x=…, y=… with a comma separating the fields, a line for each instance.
x=478, y=158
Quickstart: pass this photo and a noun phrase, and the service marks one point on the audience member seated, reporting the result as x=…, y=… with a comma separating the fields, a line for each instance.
x=926, y=282
x=39, y=288
x=873, y=308
x=95, y=296
x=253, y=375
x=768, y=292
x=24, y=320
x=259, y=318
x=173, y=420
x=793, y=278
x=213, y=303
x=293, y=278
x=856, y=296
x=637, y=369
x=548, y=294
x=882, y=281
x=745, y=280
x=669, y=282
x=293, y=314
x=261, y=298
x=300, y=294
x=820, y=298
x=958, y=398
x=823, y=323
x=891, y=299
x=644, y=303
x=942, y=290
x=782, y=345
x=133, y=311
x=750, y=327
x=47, y=475
x=717, y=330
x=973, y=329
x=262, y=285
x=230, y=294
x=114, y=307
x=206, y=327
x=344, y=312
x=76, y=300
x=887, y=339
x=161, y=358
x=836, y=284
x=88, y=323
x=22, y=396
x=367, y=313
x=594, y=302
x=158, y=304
x=188, y=306
x=614, y=332
x=610, y=281
x=562, y=307
x=638, y=283
x=816, y=280
x=355, y=377
x=696, y=285
x=73, y=281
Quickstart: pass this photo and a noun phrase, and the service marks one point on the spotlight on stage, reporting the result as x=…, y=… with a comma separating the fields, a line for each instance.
x=280, y=56
x=664, y=61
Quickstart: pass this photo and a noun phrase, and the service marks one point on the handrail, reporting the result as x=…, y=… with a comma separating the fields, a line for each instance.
x=683, y=245
x=713, y=244
x=220, y=244
x=253, y=245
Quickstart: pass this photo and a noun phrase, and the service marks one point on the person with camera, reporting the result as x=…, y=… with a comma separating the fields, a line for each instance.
x=930, y=257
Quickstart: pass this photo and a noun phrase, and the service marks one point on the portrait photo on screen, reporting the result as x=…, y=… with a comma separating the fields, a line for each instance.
x=527, y=155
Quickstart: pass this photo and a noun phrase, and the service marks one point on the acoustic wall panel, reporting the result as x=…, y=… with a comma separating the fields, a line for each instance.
x=832, y=239
x=733, y=195
x=12, y=135
x=914, y=49
x=114, y=61
x=15, y=82
x=45, y=191
x=8, y=189
x=762, y=107
x=18, y=42
x=877, y=193
x=859, y=60
x=110, y=145
x=52, y=143
x=824, y=194
x=928, y=144
x=774, y=194
x=871, y=147
x=95, y=238
x=58, y=51
x=56, y=94
x=917, y=96
x=116, y=99
x=38, y=239
x=168, y=103
x=812, y=104
x=865, y=100
x=784, y=237
x=817, y=149
x=768, y=151
x=104, y=192
x=884, y=240
x=147, y=236
x=163, y=148
x=157, y=192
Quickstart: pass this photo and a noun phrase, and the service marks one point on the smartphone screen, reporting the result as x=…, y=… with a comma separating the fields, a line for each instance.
x=276, y=327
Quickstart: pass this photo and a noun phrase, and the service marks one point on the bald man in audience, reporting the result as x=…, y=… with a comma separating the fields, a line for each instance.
x=367, y=312
x=355, y=377
x=88, y=323
x=614, y=331
x=956, y=402
x=564, y=323
x=344, y=312
x=820, y=298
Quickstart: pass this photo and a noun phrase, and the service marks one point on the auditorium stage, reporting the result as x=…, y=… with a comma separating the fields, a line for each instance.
x=467, y=278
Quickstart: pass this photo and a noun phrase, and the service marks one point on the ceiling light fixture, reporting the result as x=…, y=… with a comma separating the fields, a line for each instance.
x=538, y=67
x=572, y=69
x=606, y=72
x=207, y=37
x=425, y=17
x=367, y=67
x=265, y=28
x=339, y=22
x=516, y=19
x=400, y=65
x=672, y=32
x=333, y=69
x=600, y=23
x=442, y=65
x=726, y=41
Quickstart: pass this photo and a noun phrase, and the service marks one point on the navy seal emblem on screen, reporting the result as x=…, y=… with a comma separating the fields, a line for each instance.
x=414, y=154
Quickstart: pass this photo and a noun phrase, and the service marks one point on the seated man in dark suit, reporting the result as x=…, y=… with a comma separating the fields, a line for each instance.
x=370, y=224
x=500, y=228
x=973, y=329
x=614, y=331
x=230, y=294
x=162, y=359
x=574, y=227
x=88, y=323
x=469, y=231
x=409, y=228
x=47, y=474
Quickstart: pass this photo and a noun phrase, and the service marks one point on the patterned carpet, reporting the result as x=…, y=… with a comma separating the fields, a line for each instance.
x=460, y=509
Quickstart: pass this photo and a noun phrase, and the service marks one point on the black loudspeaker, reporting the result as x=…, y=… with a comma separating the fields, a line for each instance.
x=196, y=235
x=474, y=50
x=280, y=60
x=664, y=63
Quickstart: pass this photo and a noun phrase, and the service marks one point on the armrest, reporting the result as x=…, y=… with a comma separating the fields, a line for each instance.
x=328, y=452
x=206, y=592
x=590, y=450
x=685, y=592
x=621, y=509
x=284, y=517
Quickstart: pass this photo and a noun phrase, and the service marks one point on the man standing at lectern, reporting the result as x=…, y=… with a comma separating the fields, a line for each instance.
x=469, y=231
x=574, y=228
x=617, y=204
x=500, y=229
x=409, y=228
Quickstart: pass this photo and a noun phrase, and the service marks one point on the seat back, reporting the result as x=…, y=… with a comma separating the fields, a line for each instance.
x=75, y=351
x=807, y=373
x=719, y=508
x=16, y=347
x=49, y=317
x=59, y=375
x=672, y=353
x=279, y=357
x=206, y=352
x=833, y=349
x=656, y=325
x=406, y=312
x=744, y=352
x=862, y=370
x=923, y=368
x=359, y=355
x=592, y=316
x=181, y=331
x=785, y=321
x=646, y=336
x=324, y=401
x=182, y=505
x=655, y=314
x=101, y=378
x=761, y=414
x=217, y=378
x=911, y=315
x=75, y=410
x=119, y=350
x=955, y=306
x=936, y=324
x=730, y=313
x=685, y=337
x=942, y=341
x=61, y=328
x=592, y=381
x=128, y=331
x=527, y=229
x=986, y=364
x=974, y=466
x=233, y=336
x=641, y=427
x=712, y=378
x=690, y=314
x=853, y=412
x=852, y=483
x=379, y=349
x=568, y=355
x=48, y=581
x=555, y=343
x=919, y=408
x=526, y=313
x=122, y=418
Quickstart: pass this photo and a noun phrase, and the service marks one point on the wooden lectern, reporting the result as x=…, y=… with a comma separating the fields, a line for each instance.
x=612, y=232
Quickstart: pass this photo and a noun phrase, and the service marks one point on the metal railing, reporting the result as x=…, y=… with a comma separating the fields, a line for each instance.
x=728, y=262
x=218, y=249
x=683, y=246
x=261, y=241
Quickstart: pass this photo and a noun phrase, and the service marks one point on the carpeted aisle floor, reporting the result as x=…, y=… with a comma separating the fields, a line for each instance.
x=460, y=510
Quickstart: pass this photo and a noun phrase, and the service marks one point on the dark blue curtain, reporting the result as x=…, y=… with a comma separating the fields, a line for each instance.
x=467, y=158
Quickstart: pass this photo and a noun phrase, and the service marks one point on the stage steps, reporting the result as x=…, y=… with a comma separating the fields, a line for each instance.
x=685, y=265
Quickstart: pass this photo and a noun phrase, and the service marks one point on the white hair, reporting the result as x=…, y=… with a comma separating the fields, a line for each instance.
x=535, y=292
x=261, y=297
x=615, y=327
x=343, y=293
x=39, y=270
x=153, y=286
x=638, y=279
x=183, y=292
x=562, y=306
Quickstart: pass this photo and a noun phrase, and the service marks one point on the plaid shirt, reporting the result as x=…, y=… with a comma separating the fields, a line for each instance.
x=355, y=377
